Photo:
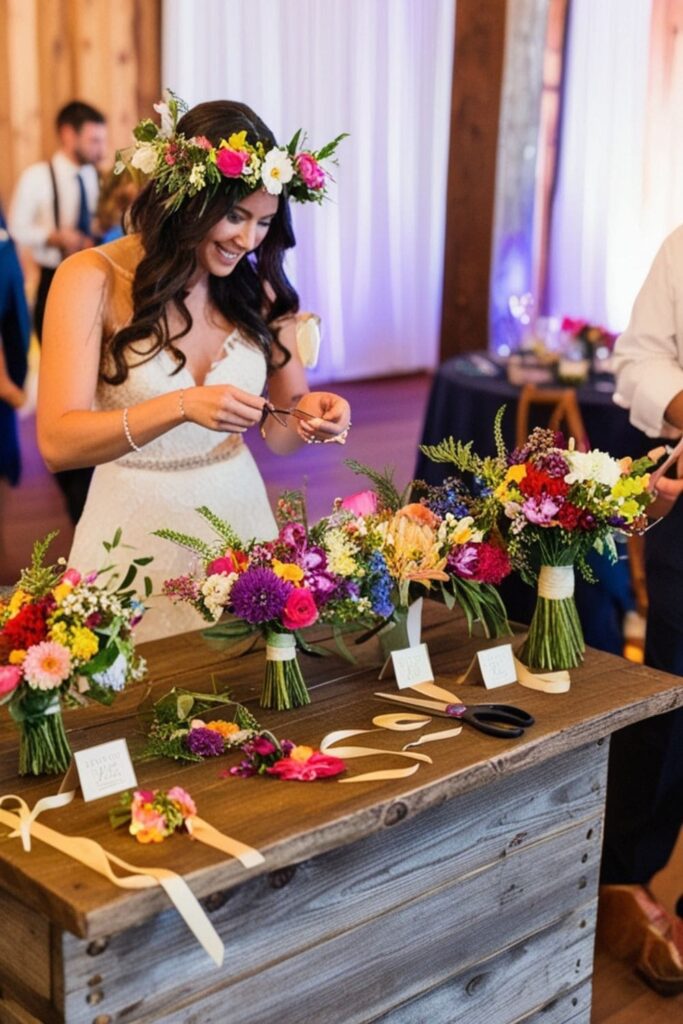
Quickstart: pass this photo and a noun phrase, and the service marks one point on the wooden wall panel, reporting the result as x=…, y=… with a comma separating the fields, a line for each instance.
x=106, y=52
x=477, y=78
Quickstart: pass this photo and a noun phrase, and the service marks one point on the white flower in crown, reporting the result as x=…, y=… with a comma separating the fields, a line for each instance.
x=277, y=171
x=198, y=176
x=167, y=127
x=145, y=157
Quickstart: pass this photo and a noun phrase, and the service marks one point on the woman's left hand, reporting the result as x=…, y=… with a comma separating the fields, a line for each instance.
x=332, y=418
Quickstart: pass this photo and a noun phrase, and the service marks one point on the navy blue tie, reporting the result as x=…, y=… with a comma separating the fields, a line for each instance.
x=83, y=222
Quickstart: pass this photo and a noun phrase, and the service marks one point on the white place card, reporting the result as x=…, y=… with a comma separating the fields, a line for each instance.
x=497, y=666
x=105, y=769
x=412, y=666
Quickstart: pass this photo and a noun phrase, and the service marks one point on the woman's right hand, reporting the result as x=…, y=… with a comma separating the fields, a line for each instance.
x=222, y=407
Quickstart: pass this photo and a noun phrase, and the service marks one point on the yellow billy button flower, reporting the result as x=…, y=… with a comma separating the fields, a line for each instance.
x=301, y=753
x=84, y=644
x=16, y=657
x=288, y=571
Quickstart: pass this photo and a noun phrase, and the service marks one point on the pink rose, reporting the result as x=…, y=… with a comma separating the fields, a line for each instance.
x=230, y=162
x=363, y=503
x=71, y=576
x=226, y=564
x=10, y=677
x=310, y=170
x=318, y=766
x=300, y=609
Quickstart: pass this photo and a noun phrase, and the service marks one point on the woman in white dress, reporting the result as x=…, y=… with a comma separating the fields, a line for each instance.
x=157, y=346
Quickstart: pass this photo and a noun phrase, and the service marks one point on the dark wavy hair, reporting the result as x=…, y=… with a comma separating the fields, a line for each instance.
x=170, y=241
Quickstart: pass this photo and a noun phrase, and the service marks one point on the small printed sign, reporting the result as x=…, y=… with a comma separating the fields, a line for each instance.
x=497, y=666
x=105, y=769
x=412, y=666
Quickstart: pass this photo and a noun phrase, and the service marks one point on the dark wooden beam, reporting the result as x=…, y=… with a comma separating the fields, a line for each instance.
x=477, y=78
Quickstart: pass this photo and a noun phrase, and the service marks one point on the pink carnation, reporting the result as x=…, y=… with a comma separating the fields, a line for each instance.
x=231, y=162
x=300, y=609
x=318, y=766
x=47, y=665
x=363, y=503
x=10, y=677
x=310, y=171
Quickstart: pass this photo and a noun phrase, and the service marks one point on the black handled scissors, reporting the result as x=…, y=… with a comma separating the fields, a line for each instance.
x=277, y=414
x=502, y=720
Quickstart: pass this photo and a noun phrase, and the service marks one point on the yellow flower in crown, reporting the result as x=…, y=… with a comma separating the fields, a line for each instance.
x=288, y=571
x=238, y=140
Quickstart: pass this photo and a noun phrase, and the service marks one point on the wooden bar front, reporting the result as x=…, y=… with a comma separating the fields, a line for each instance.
x=466, y=892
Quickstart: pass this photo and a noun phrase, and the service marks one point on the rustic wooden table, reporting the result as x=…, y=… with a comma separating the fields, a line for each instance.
x=465, y=893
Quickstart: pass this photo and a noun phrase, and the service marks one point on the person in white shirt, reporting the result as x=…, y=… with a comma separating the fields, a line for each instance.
x=645, y=780
x=51, y=215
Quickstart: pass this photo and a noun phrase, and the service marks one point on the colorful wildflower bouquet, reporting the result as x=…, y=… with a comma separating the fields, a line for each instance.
x=275, y=589
x=557, y=505
x=65, y=639
x=435, y=544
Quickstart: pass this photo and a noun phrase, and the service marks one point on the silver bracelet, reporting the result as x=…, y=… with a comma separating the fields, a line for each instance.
x=126, y=430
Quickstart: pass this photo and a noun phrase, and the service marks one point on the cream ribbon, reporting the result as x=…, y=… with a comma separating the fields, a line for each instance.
x=546, y=682
x=556, y=582
x=88, y=852
x=280, y=647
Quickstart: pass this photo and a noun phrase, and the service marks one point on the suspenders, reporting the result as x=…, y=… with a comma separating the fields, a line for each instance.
x=55, y=194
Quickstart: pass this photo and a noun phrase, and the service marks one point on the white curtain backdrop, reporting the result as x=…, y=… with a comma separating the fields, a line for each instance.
x=369, y=261
x=600, y=248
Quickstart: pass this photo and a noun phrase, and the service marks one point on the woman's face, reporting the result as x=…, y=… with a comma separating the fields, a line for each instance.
x=236, y=234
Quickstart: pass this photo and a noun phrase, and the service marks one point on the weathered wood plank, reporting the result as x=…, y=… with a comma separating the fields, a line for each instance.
x=343, y=888
x=360, y=973
x=514, y=987
x=13, y=1013
x=23, y=930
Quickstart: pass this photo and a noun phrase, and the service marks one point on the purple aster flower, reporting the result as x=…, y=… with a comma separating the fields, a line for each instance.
x=258, y=595
x=205, y=742
x=463, y=560
x=541, y=511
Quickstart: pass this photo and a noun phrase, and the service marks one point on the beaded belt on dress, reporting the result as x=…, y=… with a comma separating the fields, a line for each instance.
x=221, y=453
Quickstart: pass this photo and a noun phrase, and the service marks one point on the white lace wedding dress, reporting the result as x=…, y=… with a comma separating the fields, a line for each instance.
x=163, y=484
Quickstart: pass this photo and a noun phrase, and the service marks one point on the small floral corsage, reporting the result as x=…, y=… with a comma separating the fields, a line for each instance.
x=152, y=814
x=264, y=755
x=182, y=726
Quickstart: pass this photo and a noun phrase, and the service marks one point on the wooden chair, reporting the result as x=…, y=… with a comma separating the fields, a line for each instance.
x=564, y=413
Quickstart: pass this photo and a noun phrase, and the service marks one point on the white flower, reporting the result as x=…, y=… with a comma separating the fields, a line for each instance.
x=277, y=170
x=216, y=592
x=166, y=129
x=198, y=176
x=145, y=157
x=114, y=677
x=594, y=465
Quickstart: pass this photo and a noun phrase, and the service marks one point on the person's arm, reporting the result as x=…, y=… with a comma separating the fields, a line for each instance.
x=70, y=433
x=649, y=354
x=287, y=389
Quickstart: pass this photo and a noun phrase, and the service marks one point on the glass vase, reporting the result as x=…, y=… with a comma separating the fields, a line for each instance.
x=555, y=638
x=283, y=685
x=43, y=746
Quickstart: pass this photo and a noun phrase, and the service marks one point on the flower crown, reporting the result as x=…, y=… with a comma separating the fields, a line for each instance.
x=183, y=167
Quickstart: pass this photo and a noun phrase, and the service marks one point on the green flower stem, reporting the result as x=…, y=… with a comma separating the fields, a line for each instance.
x=283, y=685
x=43, y=746
x=555, y=638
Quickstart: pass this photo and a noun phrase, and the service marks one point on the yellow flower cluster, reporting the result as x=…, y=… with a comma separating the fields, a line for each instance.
x=288, y=571
x=513, y=476
x=341, y=554
x=222, y=727
x=80, y=640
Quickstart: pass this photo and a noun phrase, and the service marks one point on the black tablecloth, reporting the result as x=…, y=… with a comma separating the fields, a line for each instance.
x=463, y=403
x=466, y=394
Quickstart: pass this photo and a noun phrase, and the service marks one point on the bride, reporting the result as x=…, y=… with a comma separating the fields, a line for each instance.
x=157, y=346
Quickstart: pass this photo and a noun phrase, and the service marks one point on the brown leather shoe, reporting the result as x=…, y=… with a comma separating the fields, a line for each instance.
x=638, y=929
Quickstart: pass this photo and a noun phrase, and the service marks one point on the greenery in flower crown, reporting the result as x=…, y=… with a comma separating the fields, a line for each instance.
x=184, y=167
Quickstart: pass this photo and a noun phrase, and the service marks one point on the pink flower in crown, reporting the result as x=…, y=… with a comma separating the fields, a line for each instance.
x=362, y=503
x=300, y=609
x=230, y=162
x=310, y=170
x=202, y=142
x=10, y=677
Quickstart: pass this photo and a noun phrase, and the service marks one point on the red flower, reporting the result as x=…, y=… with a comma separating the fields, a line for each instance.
x=493, y=564
x=318, y=766
x=537, y=484
x=28, y=627
x=568, y=516
x=300, y=609
x=231, y=561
